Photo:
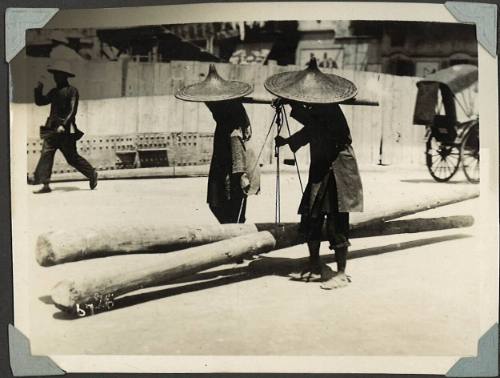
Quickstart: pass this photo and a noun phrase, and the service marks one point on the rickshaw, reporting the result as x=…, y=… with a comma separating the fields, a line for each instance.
x=450, y=142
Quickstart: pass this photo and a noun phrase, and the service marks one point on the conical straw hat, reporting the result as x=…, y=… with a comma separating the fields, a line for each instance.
x=311, y=86
x=214, y=88
x=61, y=66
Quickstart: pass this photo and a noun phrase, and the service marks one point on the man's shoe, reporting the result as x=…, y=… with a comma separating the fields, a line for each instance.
x=44, y=189
x=93, y=181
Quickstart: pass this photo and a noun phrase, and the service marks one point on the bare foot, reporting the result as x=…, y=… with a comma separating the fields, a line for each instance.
x=337, y=281
x=310, y=273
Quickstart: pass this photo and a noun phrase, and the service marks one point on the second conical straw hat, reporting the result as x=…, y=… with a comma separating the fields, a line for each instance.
x=311, y=86
x=214, y=88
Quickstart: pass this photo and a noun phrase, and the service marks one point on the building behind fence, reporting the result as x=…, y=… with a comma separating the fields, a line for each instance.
x=131, y=118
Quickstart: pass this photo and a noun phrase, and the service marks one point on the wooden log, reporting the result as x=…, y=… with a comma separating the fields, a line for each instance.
x=68, y=294
x=287, y=234
x=72, y=296
x=61, y=246
x=366, y=219
x=412, y=226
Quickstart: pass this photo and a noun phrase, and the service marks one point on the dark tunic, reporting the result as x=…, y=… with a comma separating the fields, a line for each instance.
x=228, y=158
x=63, y=107
x=334, y=183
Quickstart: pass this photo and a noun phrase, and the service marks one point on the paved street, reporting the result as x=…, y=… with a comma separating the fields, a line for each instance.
x=411, y=294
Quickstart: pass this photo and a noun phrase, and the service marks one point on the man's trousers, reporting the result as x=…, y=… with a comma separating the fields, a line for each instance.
x=230, y=211
x=67, y=145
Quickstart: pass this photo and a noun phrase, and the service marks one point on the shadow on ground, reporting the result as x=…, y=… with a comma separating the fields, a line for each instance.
x=66, y=189
x=431, y=181
x=258, y=267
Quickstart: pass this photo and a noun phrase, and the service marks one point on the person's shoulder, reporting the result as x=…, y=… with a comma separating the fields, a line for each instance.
x=336, y=110
x=51, y=92
x=72, y=89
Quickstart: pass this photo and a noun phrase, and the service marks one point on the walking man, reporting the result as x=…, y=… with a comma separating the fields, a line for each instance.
x=334, y=187
x=60, y=131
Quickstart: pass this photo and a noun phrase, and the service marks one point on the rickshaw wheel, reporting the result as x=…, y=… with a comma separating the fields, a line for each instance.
x=469, y=152
x=442, y=159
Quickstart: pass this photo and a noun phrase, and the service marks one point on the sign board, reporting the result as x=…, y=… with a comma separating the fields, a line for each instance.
x=252, y=53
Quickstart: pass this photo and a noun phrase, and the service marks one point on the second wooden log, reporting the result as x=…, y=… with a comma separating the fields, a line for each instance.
x=70, y=293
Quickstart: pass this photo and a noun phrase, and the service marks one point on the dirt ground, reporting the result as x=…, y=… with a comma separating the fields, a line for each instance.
x=411, y=294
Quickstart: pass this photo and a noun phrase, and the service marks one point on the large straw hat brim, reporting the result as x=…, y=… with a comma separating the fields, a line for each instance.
x=53, y=70
x=311, y=86
x=214, y=90
x=61, y=66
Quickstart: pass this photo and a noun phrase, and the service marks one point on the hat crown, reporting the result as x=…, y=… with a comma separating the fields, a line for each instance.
x=312, y=65
x=212, y=71
x=213, y=77
x=214, y=88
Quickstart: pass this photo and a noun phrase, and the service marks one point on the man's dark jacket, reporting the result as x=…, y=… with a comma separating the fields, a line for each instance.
x=332, y=157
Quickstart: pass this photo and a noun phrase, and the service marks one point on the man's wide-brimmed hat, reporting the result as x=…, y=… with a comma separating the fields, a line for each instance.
x=61, y=66
x=311, y=86
x=214, y=88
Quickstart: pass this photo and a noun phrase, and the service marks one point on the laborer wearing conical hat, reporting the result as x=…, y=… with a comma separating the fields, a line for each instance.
x=60, y=131
x=334, y=188
x=231, y=178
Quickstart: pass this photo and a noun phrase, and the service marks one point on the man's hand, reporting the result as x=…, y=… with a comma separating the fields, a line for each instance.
x=278, y=101
x=245, y=183
x=39, y=86
x=60, y=129
x=280, y=141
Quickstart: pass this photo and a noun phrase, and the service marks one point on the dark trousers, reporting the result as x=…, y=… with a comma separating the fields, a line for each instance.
x=229, y=211
x=67, y=145
x=337, y=229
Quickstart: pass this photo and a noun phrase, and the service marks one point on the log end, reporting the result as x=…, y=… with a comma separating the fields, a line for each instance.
x=64, y=295
x=44, y=251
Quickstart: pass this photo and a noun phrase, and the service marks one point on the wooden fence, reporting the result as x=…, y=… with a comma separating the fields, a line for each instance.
x=128, y=100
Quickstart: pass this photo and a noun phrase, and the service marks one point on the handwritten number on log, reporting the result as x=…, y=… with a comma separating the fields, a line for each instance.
x=99, y=303
x=80, y=311
x=91, y=307
x=109, y=304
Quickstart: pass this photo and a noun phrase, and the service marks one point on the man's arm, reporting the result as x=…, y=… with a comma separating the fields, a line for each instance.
x=238, y=155
x=295, y=141
x=73, y=108
x=40, y=98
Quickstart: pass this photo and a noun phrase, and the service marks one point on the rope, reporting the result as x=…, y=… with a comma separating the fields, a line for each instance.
x=263, y=145
x=278, y=117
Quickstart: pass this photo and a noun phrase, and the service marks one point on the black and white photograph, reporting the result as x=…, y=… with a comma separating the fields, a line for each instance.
x=283, y=188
